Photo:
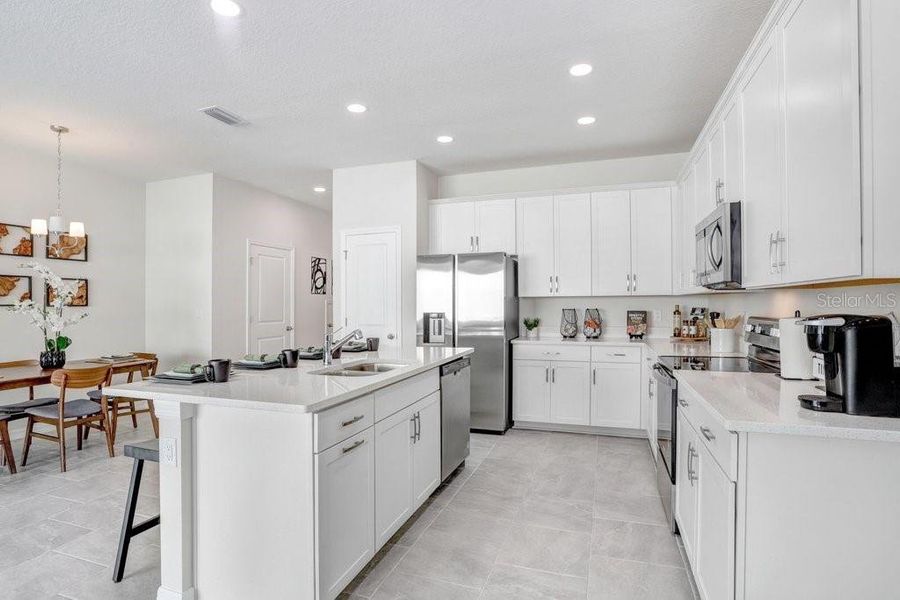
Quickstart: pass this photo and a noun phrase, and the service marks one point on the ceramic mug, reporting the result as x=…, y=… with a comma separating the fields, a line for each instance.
x=217, y=370
x=288, y=358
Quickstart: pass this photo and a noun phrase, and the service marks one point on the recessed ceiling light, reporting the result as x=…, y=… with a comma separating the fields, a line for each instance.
x=319, y=189
x=226, y=8
x=356, y=108
x=586, y=120
x=444, y=139
x=580, y=70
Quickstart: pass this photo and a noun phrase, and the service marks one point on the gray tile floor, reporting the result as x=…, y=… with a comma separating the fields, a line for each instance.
x=531, y=516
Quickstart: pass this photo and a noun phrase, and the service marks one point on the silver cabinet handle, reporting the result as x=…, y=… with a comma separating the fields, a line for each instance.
x=650, y=387
x=707, y=433
x=692, y=474
x=477, y=243
x=412, y=420
x=546, y=374
x=352, y=446
x=471, y=243
x=771, y=247
x=552, y=374
x=628, y=282
x=594, y=376
x=390, y=336
x=779, y=250
x=633, y=282
x=615, y=354
x=683, y=402
x=557, y=284
x=289, y=328
x=350, y=422
x=720, y=185
x=551, y=284
x=418, y=426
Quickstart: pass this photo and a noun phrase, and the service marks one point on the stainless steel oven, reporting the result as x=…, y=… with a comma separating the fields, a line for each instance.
x=666, y=397
x=718, y=248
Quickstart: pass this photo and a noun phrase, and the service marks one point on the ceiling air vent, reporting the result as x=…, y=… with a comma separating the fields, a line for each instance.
x=220, y=114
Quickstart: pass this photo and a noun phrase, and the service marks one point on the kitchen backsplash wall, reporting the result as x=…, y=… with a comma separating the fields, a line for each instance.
x=869, y=299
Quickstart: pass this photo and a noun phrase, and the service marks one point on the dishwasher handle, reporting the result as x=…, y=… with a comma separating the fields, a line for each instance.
x=455, y=367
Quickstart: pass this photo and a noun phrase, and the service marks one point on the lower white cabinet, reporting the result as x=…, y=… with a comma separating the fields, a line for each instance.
x=345, y=510
x=570, y=393
x=407, y=464
x=531, y=390
x=705, y=507
x=616, y=395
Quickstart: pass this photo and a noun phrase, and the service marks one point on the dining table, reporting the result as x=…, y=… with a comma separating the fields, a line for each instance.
x=12, y=378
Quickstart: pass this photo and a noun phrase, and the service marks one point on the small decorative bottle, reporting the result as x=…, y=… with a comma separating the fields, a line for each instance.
x=676, y=321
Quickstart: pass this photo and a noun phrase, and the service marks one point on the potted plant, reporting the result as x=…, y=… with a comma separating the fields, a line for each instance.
x=51, y=319
x=531, y=327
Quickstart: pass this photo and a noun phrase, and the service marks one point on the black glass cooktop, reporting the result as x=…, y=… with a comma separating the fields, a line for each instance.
x=732, y=364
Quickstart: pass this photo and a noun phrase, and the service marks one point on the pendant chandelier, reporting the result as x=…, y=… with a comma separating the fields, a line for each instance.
x=56, y=224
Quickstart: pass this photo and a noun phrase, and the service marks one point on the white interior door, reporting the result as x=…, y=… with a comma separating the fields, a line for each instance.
x=371, y=285
x=270, y=298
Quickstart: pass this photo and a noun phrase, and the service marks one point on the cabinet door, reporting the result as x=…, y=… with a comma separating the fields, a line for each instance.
x=717, y=165
x=426, y=448
x=714, y=558
x=534, y=218
x=678, y=276
x=611, y=254
x=456, y=227
x=704, y=201
x=393, y=474
x=733, y=141
x=763, y=168
x=651, y=242
x=531, y=390
x=688, y=234
x=573, y=245
x=821, y=141
x=686, y=486
x=616, y=395
x=570, y=393
x=495, y=226
x=345, y=507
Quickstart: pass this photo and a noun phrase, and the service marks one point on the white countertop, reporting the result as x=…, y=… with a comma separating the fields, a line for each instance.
x=660, y=346
x=293, y=390
x=765, y=403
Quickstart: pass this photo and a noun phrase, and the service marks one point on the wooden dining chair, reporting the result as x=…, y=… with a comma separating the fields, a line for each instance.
x=8, y=459
x=81, y=413
x=15, y=411
x=126, y=407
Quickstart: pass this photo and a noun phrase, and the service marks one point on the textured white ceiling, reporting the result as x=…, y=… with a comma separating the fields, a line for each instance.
x=129, y=75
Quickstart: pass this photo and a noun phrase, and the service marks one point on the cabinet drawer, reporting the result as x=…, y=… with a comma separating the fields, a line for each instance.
x=400, y=395
x=337, y=424
x=551, y=352
x=720, y=442
x=622, y=354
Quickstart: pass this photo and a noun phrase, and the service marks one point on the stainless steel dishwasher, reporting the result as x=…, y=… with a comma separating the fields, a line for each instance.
x=455, y=415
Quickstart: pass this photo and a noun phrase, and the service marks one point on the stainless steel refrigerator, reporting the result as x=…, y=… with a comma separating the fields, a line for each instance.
x=471, y=301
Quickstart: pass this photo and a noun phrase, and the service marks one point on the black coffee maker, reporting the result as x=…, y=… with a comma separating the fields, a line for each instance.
x=858, y=351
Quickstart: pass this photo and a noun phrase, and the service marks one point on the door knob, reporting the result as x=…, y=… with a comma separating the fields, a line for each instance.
x=289, y=328
x=390, y=336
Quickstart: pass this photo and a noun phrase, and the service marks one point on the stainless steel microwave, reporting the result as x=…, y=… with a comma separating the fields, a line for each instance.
x=718, y=249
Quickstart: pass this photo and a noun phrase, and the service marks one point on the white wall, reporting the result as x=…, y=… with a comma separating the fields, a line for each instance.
x=112, y=209
x=390, y=194
x=661, y=167
x=179, y=268
x=242, y=212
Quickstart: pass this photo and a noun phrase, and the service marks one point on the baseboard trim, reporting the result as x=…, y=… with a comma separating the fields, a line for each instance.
x=166, y=594
x=587, y=429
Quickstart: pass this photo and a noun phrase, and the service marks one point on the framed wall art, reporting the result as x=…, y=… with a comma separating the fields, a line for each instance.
x=79, y=299
x=14, y=288
x=62, y=246
x=318, y=281
x=16, y=240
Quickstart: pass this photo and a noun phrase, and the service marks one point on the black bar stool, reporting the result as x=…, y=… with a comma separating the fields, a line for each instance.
x=140, y=452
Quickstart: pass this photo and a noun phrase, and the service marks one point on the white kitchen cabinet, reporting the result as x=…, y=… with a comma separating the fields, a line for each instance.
x=704, y=201
x=455, y=230
x=536, y=249
x=495, y=225
x=570, y=393
x=616, y=395
x=678, y=273
x=686, y=486
x=611, y=263
x=717, y=165
x=393, y=473
x=407, y=463
x=821, y=234
x=688, y=235
x=554, y=245
x=572, y=227
x=426, y=448
x=714, y=546
x=763, y=190
x=531, y=390
x=733, y=146
x=345, y=510
x=651, y=242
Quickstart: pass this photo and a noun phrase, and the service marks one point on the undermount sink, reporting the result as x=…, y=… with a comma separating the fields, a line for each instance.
x=360, y=370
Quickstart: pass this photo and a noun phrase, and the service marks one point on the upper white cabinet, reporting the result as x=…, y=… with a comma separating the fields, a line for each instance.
x=704, y=202
x=632, y=245
x=732, y=188
x=473, y=226
x=821, y=235
x=554, y=245
x=687, y=225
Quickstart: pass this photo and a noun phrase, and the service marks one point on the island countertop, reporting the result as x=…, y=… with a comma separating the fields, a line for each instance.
x=293, y=390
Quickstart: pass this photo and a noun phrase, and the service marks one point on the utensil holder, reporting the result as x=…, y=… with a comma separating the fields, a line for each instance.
x=722, y=340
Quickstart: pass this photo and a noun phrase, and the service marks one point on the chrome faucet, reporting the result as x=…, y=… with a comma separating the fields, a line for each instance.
x=330, y=345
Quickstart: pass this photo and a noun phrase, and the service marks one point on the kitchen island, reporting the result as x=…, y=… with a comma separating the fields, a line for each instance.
x=284, y=483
